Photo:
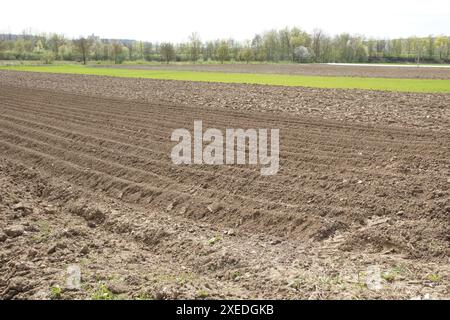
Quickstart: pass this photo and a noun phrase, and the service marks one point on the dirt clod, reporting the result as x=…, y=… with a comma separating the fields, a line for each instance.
x=14, y=231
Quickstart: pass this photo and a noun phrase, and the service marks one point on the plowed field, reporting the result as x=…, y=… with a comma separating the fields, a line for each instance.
x=86, y=178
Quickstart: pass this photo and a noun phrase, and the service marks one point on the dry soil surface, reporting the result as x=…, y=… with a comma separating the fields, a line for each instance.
x=86, y=179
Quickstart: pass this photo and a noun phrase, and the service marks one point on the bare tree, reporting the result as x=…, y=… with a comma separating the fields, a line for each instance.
x=317, y=38
x=56, y=41
x=195, y=46
x=84, y=46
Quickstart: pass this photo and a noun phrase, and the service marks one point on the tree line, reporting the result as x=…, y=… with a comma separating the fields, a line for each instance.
x=285, y=45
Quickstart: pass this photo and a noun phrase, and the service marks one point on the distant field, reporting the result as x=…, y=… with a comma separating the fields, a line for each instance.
x=385, y=84
x=311, y=69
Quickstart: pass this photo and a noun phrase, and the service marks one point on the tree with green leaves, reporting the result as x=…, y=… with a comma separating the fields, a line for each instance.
x=271, y=46
x=117, y=51
x=56, y=41
x=302, y=54
x=419, y=45
x=223, y=51
x=167, y=52
x=247, y=54
x=442, y=44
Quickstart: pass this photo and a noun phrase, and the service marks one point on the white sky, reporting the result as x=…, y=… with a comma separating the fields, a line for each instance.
x=174, y=20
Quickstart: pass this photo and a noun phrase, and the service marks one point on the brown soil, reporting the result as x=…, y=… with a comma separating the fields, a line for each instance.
x=86, y=179
x=309, y=70
x=406, y=110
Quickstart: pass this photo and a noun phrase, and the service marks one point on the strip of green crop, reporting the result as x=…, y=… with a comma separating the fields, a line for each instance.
x=385, y=84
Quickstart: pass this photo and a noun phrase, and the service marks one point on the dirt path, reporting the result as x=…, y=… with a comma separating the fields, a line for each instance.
x=87, y=180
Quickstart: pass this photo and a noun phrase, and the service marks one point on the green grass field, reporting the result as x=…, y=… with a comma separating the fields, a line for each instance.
x=403, y=85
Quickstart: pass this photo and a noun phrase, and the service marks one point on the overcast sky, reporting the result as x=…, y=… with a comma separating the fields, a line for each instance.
x=174, y=20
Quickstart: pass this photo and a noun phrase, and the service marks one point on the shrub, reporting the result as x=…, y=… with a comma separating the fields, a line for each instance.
x=48, y=57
